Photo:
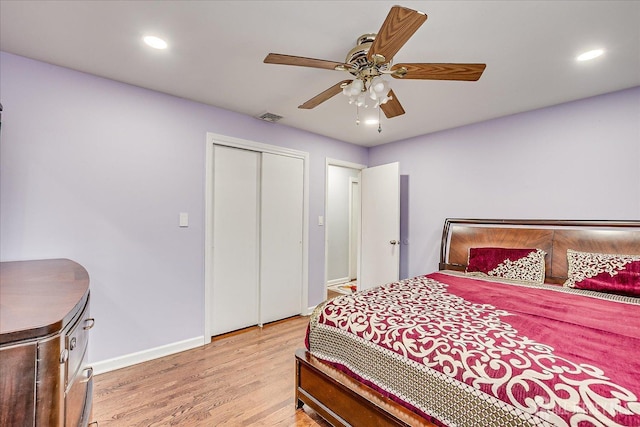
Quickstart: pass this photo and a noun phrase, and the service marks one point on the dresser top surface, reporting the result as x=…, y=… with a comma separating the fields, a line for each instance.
x=39, y=297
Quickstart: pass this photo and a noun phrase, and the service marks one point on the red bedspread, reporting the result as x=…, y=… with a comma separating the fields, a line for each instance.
x=466, y=352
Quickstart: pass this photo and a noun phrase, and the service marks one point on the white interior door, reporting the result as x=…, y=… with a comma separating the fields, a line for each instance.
x=234, y=295
x=281, y=237
x=380, y=232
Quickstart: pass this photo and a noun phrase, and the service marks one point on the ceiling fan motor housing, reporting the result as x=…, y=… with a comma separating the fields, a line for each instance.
x=357, y=58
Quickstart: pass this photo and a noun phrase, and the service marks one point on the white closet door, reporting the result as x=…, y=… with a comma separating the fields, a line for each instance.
x=281, y=237
x=234, y=303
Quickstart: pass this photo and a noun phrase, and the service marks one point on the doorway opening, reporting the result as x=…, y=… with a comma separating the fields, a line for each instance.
x=342, y=226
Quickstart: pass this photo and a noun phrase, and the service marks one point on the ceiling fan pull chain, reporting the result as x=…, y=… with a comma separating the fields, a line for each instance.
x=357, y=115
x=379, y=123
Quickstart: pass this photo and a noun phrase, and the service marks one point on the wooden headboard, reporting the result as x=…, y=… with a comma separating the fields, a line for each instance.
x=552, y=236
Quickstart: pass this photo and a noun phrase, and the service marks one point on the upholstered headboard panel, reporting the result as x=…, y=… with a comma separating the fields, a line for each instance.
x=552, y=236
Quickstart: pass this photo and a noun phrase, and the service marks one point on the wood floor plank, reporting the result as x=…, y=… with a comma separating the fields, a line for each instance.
x=240, y=379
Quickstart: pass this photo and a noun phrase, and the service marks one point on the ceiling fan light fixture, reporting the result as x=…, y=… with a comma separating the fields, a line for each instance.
x=353, y=89
x=379, y=86
x=378, y=89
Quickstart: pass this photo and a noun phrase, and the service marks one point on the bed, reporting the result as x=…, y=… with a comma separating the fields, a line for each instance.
x=527, y=322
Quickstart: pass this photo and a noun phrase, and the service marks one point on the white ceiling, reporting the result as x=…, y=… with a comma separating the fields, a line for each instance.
x=216, y=49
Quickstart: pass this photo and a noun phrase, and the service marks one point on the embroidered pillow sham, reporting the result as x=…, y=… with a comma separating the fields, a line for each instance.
x=522, y=264
x=619, y=274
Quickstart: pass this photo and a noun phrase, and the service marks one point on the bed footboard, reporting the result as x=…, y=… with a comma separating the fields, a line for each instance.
x=343, y=401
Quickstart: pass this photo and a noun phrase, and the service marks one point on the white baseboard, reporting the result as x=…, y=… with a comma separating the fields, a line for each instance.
x=146, y=355
x=338, y=281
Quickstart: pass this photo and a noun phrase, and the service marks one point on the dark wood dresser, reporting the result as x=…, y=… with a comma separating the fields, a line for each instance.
x=44, y=333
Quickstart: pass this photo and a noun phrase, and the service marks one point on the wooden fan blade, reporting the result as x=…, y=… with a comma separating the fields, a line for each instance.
x=392, y=107
x=469, y=72
x=320, y=98
x=277, y=58
x=396, y=29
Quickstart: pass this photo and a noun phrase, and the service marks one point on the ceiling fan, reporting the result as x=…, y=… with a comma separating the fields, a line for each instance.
x=372, y=58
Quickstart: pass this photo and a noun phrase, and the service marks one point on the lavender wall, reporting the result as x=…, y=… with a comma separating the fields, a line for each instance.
x=97, y=171
x=579, y=160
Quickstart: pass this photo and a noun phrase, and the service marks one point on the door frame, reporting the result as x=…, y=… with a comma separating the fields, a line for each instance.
x=345, y=164
x=217, y=139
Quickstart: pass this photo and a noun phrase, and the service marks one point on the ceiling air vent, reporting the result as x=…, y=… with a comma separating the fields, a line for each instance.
x=269, y=117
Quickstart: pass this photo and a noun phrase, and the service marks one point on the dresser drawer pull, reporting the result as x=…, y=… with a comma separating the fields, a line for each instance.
x=87, y=373
x=64, y=356
x=89, y=323
x=72, y=344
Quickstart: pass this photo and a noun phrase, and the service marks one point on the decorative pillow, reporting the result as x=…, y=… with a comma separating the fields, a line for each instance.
x=525, y=265
x=618, y=274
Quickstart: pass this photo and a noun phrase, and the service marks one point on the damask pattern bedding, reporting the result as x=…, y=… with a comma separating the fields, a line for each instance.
x=472, y=352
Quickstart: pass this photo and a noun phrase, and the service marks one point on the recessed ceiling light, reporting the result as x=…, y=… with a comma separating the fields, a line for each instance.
x=155, y=42
x=371, y=122
x=590, y=55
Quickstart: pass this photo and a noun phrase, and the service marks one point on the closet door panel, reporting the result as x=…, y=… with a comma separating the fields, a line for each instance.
x=281, y=237
x=234, y=302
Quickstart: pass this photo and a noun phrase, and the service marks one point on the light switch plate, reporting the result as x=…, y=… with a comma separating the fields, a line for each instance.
x=184, y=219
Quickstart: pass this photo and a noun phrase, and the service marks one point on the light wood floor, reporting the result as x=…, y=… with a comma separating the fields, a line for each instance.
x=241, y=379
x=332, y=294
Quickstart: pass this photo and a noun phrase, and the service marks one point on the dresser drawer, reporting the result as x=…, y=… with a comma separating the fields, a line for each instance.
x=76, y=344
x=78, y=398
